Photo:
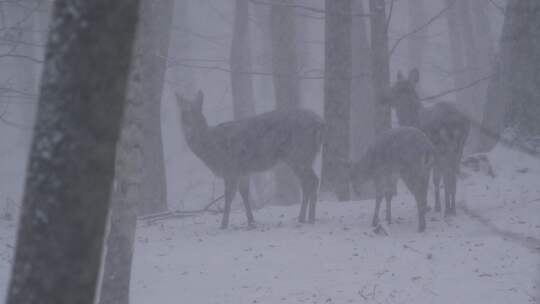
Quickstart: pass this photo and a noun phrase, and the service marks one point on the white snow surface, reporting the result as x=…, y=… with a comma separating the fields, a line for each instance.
x=488, y=253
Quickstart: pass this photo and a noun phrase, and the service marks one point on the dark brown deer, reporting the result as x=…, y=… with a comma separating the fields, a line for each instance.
x=232, y=150
x=445, y=126
x=402, y=152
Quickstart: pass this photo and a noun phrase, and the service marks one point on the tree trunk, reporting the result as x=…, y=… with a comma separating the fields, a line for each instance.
x=242, y=81
x=183, y=78
x=146, y=86
x=381, y=63
x=362, y=99
x=286, y=87
x=71, y=166
x=418, y=41
x=240, y=61
x=513, y=93
x=457, y=50
x=123, y=216
x=337, y=96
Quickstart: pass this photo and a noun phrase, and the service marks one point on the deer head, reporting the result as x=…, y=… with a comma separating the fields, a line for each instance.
x=191, y=114
x=403, y=98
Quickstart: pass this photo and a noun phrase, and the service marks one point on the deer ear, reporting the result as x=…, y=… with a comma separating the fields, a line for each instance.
x=400, y=76
x=199, y=99
x=414, y=76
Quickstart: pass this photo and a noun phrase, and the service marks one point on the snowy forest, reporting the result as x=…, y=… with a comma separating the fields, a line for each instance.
x=269, y=151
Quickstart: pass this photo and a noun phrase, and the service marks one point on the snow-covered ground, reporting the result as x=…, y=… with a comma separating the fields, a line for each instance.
x=489, y=253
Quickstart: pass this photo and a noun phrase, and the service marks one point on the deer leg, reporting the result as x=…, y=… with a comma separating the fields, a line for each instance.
x=447, y=182
x=453, y=184
x=388, y=197
x=417, y=183
x=378, y=200
x=243, y=188
x=437, y=187
x=313, y=182
x=231, y=184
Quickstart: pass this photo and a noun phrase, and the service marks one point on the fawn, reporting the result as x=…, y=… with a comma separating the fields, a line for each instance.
x=402, y=152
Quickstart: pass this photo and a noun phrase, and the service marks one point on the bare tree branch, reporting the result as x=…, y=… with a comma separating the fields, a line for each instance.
x=447, y=92
x=420, y=28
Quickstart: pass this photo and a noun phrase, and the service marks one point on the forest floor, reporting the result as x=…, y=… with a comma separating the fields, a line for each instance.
x=489, y=253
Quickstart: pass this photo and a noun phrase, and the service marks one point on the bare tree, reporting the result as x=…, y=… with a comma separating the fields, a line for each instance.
x=337, y=95
x=241, y=78
x=417, y=42
x=71, y=164
x=514, y=89
x=455, y=33
x=147, y=80
x=240, y=61
x=381, y=62
x=362, y=99
x=286, y=87
x=184, y=80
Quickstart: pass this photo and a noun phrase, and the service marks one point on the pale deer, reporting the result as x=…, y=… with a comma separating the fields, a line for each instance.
x=234, y=149
x=402, y=152
x=445, y=126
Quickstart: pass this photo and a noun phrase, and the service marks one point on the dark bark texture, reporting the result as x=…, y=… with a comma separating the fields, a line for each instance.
x=71, y=166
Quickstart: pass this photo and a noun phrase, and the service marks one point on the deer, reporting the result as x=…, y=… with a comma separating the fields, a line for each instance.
x=233, y=150
x=445, y=126
x=402, y=152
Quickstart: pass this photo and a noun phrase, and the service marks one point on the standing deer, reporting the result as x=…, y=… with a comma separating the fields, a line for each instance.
x=445, y=126
x=402, y=152
x=232, y=150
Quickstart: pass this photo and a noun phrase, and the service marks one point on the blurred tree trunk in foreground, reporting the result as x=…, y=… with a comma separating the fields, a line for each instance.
x=71, y=166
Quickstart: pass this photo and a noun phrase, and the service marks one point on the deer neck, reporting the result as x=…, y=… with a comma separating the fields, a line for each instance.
x=202, y=143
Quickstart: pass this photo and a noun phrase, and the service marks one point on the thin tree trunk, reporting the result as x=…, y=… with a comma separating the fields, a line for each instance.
x=457, y=50
x=473, y=66
x=183, y=78
x=362, y=99
x=286, y=87
x=71, y=166
x=337, y=96
x=418, y=41
x=147, y=83
x=242, y=80
x=240, y=61
x=381, y=63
